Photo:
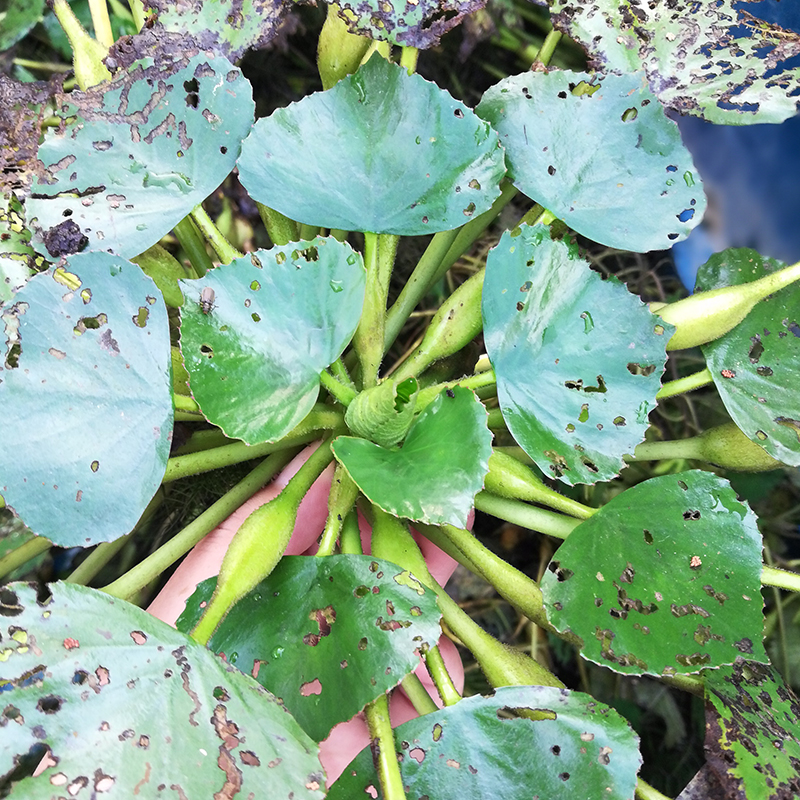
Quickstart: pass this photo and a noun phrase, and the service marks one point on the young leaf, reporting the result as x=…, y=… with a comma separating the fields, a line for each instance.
x=630, y=184
x=756, y=366
x=133, y=157
x=663, y=579
x=578, y=359
x=753, y=739
x=326, y=635
x=384, y=151
x=696, y=58
x=86, y=381
x=560, y=745
x=439, y=469
x=117, y=701
x=277, y=317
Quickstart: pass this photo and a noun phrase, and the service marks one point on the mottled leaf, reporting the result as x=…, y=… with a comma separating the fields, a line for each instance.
x=119, y=704
x=663, y=579
x=326, y=635
x=578, y=359
x=86, y=380
x=384, y=151
x=17, y=258
x=528, y=741
x=268, y=323
x=630, y=183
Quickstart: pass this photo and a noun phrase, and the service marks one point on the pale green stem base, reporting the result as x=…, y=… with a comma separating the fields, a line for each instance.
x=687, y=384
x=23, y=554
x=384, y=755
x=222, y=247
x=782, y=578
x=526, y=516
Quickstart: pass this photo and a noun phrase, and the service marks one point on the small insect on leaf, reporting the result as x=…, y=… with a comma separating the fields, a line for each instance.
x=207, y=297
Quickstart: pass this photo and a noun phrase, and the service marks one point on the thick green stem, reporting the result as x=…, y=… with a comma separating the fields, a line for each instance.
x=222, y=247
x=644, y=791
x=344, y=394
x=194, y=246
x=384, y=755
x=21, y=555
x=87, y=53
x=474, y=382
x=408, y=59
x=135, y=579
x=418, y=695
x=281, y=229
x=548, y=48
x=782, y=578
x=350, y=538
x=137, y=10
x=339, y=52
x=341, y=374
x=101, y=22
x=686, y=384
x=441, y=677
x=184, y=403
x=536, y=519
x=341, y=499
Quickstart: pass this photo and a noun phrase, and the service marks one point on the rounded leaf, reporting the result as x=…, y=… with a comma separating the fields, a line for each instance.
x=87, y=383
x=578, y=359
x=384, y=151
x=663, y=579
x=630, y=185
x=326, y=635
x=256, y=333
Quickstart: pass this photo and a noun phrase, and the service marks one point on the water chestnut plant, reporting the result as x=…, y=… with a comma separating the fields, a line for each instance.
x=144, y=341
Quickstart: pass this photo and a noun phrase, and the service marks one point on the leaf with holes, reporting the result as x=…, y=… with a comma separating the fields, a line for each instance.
x=326, y=635
x=631, y=184
x=756, y=366
x=86, y=380
x=133, y=157
x=664, y=579
x=437, y=471
x=711, y=60
x=529, y=741
x=18, y=261
x=108, y=697
x=385, y=151
x=256, y=333
x=578, y=359
x=753, y=732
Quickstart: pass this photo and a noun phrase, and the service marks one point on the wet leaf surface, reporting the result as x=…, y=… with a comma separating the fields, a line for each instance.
x=711, y=60
x=326, y=635
x=598, y=356
x=480, y=748
x=756, y=366
x=385, y=151
x=632, y=185
x=121, y=705
x=132, y=158
x=436, y=473
x=753, y=732
x=86, y=379
x=256, y=333
x=663, y=579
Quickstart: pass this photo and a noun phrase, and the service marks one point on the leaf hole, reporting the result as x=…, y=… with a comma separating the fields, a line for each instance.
x=691, y=515
x=551, y=170
x=418, y=754
x=311, y=688
x=686, y=214
x=648, y=537
x=561, y=574
x=50, y=704
x=641, y=369
x=629, y=114
x=207, y=350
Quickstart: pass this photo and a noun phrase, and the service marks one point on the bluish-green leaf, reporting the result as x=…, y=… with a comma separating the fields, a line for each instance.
x=326, y=635
x=436, y=473
x=121, y=704
x=86, y=382
x=607, y=160
x=134, y=157
x=663, y=579
x=574, y=747
x=382, y=151
x=578, y=359
x=271, y=321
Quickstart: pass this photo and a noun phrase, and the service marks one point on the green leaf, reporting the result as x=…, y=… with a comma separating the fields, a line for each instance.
x=436, y=473
x=756, y=366
x=753, y=740
x=137, y=156
x=86, y=381
x=19, y=17
x=384, y=151
x=631, y=184
x=570, y=746
x=276, y=319
x=17, y=258
x=122, y=703
x=326, y=635
x=578, y=359
x=696, y=58
x=663, y=579
x=226, y=27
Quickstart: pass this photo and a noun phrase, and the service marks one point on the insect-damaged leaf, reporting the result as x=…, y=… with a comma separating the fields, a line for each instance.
x=326, y=635
x=663, y=579
x=578, y=359
x=17, y=258
x=632, y=186
x=86, y=380
x=436, y=473
x=756, y=366
x=567, y=746
x=753, y=732
x=384, y=151
x=118, y=703
x=711, y=60
x=133, y=157
x=277, y=318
